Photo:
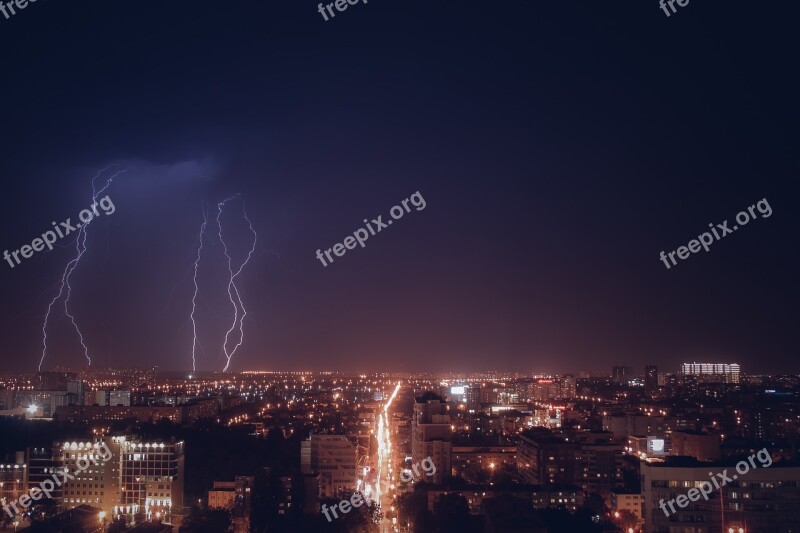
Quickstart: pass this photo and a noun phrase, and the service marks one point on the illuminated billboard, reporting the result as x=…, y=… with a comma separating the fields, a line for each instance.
x=655, y=446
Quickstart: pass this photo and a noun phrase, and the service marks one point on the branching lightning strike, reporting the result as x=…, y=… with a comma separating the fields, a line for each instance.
x=196, y=290
x=80, y=248
x=232, y=287
x=234, y=294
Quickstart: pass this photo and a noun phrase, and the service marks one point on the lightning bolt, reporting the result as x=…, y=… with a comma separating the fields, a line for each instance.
x=233, y=289
x=196, y=289
x=80, y=248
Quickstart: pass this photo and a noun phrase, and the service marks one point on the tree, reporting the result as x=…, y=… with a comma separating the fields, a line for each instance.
x=452, y=513
x=424, y=521
x=43, y=509
x=206, y=521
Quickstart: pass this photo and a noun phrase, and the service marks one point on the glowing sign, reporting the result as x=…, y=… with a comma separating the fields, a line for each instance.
x=655, y=446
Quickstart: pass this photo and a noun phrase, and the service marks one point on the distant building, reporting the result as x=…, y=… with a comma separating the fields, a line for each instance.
x=222, y=495
x=701, y=446
x=333, y=457
x=469, y=461
x=566, y=497
x=650, y=379
x=599, y=462
x=591, y=460
x=75, y=392
x=763, y=499
x=488, y=393
x=545, y=390
x=431, y=434
x=648, y=447
x=474, y=397
x=120, y=397
x=310, y=494
x=714, y=372
x=200, y=409
x=53, y=380
x=546, y=459
x=89, y=414
x=627, y=425
x=45, y=402
x=631, y=501
x=101, y=397
x=621, y=374
x=243, y=490
x=6, y=399
x=568, y=387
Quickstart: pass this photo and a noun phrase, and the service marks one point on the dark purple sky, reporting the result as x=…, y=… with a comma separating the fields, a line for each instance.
x=559, y=146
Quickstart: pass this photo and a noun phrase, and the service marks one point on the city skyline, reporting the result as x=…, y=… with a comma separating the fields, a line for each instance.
x=399, y=267
x=394, y=452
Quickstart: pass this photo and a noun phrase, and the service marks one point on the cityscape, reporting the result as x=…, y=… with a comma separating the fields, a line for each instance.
x=491, y=451
x=291, y=266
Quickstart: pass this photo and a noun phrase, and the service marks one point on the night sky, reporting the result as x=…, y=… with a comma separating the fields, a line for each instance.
x=559, y=147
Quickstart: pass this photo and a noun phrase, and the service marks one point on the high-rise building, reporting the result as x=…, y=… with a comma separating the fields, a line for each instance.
x=101, y=397
x=13, y=481
x=431, y=434
x=568, y=387
x=474, y=397
x=152, y=478
x=243, y=488
x=621, y=374
x=334, y=458
x=98, y=485
x=75, y=392
x=545, y=390
x=488, y=393
x=41, y=465
x=139, y=480
x=590, y=460
x=650, y=379
x=546, y=459
x=600, y=463
x=714, y=372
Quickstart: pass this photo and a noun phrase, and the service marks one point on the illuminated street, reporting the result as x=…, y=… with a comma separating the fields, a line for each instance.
x=385, y=477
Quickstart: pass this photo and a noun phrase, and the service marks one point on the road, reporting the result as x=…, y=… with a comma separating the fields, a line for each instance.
x=385, y=463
